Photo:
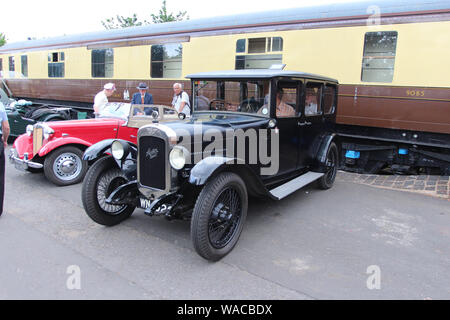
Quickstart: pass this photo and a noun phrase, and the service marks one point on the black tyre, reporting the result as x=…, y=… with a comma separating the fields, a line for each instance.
x=65, y=166
x=327, y=181
x=102, y=178
x=219, y=215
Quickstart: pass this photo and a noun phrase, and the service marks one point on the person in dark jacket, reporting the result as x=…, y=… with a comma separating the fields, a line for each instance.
x=142, y=97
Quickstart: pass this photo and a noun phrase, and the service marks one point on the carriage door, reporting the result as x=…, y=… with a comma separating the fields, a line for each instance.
x=311, y=121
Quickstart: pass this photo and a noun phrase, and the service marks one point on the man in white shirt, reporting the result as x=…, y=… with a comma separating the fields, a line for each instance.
x=101, y=99
x=181, y=100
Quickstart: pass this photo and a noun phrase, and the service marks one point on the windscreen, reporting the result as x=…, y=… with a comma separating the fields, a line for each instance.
x=116, y=110
x=232, y=96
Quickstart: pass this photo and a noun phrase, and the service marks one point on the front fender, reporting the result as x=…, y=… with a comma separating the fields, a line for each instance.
x=201, y=172
x=128, y=165
x=56, y=143
x=97, y=150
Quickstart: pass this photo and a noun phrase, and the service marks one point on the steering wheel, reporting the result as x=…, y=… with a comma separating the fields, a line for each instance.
x=218, y=104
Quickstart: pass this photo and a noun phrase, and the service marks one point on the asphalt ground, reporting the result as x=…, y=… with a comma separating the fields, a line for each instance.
x=354, y=241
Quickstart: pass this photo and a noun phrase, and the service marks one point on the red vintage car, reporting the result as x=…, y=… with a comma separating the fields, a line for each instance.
x=58, y=147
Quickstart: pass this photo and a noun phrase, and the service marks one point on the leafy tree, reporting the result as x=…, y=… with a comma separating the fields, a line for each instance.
x=122, y=22
x=163, y=16
x=2, y=39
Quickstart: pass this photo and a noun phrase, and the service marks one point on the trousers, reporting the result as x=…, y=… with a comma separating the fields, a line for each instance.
x=2, y=174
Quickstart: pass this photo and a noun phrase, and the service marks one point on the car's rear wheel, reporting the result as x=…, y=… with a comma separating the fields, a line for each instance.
x=65, y=166
x=219, y=215
x=327, y=181
x=102, y=178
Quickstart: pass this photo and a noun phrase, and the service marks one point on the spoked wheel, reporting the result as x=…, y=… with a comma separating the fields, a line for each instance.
x=65, y=166
x=327, y=181
x=219, y=216
x=101, y=180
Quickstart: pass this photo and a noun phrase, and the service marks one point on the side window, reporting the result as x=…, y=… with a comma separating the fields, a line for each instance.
x=56, y=65
x=379, y=56
x=313, y=93
x=286, y=99
x=102, y=63
x=12, y=67
x=258, y=53
x=166, y=60
x=329, y=99
x=24, y=61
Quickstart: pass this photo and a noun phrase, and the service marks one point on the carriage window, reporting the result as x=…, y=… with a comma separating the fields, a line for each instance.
x=11, y=66
x=166, y=60
x=379, y=56
x=329, y=99
x=56, y=65
x=102, y=63
x=258, y=53
x=312, y=99
x=24, y=61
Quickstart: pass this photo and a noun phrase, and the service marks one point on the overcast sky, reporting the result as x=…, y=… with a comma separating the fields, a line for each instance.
x=44, y=18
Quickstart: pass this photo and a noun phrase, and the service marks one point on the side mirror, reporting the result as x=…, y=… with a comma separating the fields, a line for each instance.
x=181, y=116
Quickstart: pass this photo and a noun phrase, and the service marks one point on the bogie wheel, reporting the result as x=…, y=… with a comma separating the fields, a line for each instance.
x=102, y=178
x=327, y=181
x=65, y=166
x=219, y=215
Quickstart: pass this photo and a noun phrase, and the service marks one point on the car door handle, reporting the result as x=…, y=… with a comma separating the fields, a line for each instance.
x=132, y=136
x=302, y=124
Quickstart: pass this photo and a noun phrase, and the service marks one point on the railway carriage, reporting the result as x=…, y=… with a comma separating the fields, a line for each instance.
x=390, y=57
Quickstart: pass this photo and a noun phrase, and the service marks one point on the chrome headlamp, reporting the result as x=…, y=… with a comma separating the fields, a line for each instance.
x=29, y=130
x=48, y=132
x=178, y=157
x=119, y=150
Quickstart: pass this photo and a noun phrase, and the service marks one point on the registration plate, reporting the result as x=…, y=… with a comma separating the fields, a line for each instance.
x=162, y=209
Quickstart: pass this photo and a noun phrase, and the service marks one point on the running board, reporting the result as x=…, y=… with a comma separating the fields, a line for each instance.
x=295, y=184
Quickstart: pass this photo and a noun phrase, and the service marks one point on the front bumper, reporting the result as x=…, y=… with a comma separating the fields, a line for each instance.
x=22, y=164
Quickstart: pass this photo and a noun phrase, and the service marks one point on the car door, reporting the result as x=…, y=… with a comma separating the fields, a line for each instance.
x=287, y=117
x=311, y=121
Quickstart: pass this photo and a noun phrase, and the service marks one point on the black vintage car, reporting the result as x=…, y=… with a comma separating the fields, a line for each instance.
x=263, y=133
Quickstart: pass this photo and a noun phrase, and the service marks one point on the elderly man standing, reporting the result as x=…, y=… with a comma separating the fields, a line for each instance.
x=101, y=99
x=142, y=97
x=181, y=100
x=4, y=133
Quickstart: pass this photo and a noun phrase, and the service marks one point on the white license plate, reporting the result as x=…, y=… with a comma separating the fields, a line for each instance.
x=162, y=209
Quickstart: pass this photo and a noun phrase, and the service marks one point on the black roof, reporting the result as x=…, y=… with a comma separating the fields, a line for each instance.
x=257, y=74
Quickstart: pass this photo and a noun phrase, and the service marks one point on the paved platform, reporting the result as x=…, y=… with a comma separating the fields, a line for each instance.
x=436, y=186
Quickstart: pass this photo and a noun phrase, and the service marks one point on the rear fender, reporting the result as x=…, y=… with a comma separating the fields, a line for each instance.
x=321, y=155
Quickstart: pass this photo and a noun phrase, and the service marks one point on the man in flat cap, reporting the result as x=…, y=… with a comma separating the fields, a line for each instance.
x=142, y=97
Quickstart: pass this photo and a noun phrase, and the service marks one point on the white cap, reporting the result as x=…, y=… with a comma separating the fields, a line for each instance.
x=109, y=86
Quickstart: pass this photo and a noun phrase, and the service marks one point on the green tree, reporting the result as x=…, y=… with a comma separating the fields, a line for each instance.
x=163, y=16
x=2, y=39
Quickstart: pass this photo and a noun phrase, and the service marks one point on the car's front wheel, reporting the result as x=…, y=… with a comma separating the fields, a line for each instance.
x=219, y=215
x=65, y=166
x=102, y=178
